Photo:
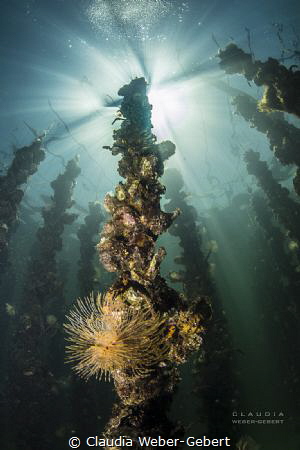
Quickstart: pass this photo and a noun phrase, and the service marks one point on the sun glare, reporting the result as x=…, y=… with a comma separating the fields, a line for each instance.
x=168, y=104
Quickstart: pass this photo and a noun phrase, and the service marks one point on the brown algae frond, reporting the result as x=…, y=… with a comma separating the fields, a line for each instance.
x=107, y=336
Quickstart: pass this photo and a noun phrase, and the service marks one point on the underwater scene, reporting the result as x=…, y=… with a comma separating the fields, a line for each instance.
x=150, y=224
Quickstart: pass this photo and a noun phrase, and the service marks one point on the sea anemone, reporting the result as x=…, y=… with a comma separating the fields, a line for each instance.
x=108, y=336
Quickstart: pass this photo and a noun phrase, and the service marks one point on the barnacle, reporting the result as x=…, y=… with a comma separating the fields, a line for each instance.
x=107, y=336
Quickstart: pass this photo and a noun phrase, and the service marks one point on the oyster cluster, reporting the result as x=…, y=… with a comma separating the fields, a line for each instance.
x=284, y=137
x=282, y=204
x=154, y=328
x=86, y=234
x=128, y=240
x=282, y=85
x=24, y=164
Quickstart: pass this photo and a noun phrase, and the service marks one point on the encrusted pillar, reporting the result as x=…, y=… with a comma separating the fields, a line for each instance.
x=140, y=329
